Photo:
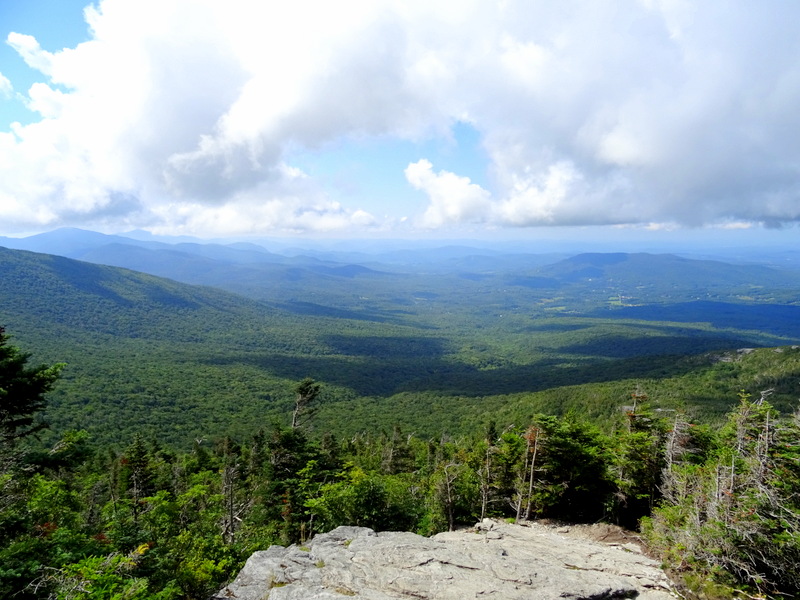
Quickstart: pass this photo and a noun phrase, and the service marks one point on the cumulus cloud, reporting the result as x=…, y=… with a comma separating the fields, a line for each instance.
x=31, y=52
x=537, y=198
x=453, y=199
x=640, y=112
x=6, y=89
x=182, y=113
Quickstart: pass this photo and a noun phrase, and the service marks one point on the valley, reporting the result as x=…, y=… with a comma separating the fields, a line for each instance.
x=186, y=341
x=454, y=384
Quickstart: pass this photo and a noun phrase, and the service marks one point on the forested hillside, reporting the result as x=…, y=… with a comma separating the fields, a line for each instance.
x=191, y=426
x=409, y=279
x=85, y=520
x=182, y=362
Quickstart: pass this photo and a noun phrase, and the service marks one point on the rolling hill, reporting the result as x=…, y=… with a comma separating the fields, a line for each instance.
x=443, y=274
x=432, y=351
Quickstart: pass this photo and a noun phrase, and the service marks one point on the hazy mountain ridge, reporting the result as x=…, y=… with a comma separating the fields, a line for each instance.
x=434, y=351
x=339, y=279
x=645, y=273
x=155, y=353
x=245, y=269
x=62, y=290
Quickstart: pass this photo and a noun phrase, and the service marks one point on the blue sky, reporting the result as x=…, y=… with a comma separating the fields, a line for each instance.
x=56, y=24
x=527, y=119
x=370, y=170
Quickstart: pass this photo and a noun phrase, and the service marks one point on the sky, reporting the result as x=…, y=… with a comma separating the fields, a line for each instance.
x=401, y=118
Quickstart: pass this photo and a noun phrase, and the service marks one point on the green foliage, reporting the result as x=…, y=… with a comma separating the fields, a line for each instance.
x=22, y=392
x=453, y=492
x=571, y=476
x=306, y=393
x=198, y=448
x=381, y=502
x=106, y=578
x=431, y=352
x=734, y=518
x=638, y=462
x=149, y=523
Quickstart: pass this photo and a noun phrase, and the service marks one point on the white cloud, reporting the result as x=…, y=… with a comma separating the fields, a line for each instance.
x=47, y=101
x=31, y=52
x=453, y=199
x=249, y=216
x=536, y=199
x=6, y=89
x=181, y=113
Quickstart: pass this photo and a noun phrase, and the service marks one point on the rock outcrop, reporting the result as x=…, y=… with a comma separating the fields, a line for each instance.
x=493, y=560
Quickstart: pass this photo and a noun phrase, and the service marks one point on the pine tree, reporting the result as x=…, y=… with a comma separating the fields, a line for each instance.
x=306, y=393
x=22, y=391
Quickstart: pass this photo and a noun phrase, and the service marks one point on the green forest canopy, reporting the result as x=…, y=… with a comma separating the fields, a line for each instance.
x=83, y=520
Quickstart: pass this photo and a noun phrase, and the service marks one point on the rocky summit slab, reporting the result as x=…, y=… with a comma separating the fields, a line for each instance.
x=492, y=560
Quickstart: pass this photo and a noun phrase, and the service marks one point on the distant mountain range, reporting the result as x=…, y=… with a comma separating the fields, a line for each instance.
x=443, y=332
x=256, y=272
x=666, y=277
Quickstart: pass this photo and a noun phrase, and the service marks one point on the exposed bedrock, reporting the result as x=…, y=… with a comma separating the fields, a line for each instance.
x=492, y=560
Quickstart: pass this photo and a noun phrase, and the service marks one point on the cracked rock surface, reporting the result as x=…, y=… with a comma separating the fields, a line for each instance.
x=493, y=560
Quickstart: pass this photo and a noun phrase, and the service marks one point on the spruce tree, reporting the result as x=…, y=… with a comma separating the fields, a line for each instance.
x=22, y=391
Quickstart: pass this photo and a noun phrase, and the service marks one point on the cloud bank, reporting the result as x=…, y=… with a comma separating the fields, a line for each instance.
x=181, y=115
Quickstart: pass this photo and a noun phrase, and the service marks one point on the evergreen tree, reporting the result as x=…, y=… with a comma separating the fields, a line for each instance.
x=306, y=393
x=638, y=462
x=734, y=519
x=25, y=528
x=22, y=391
